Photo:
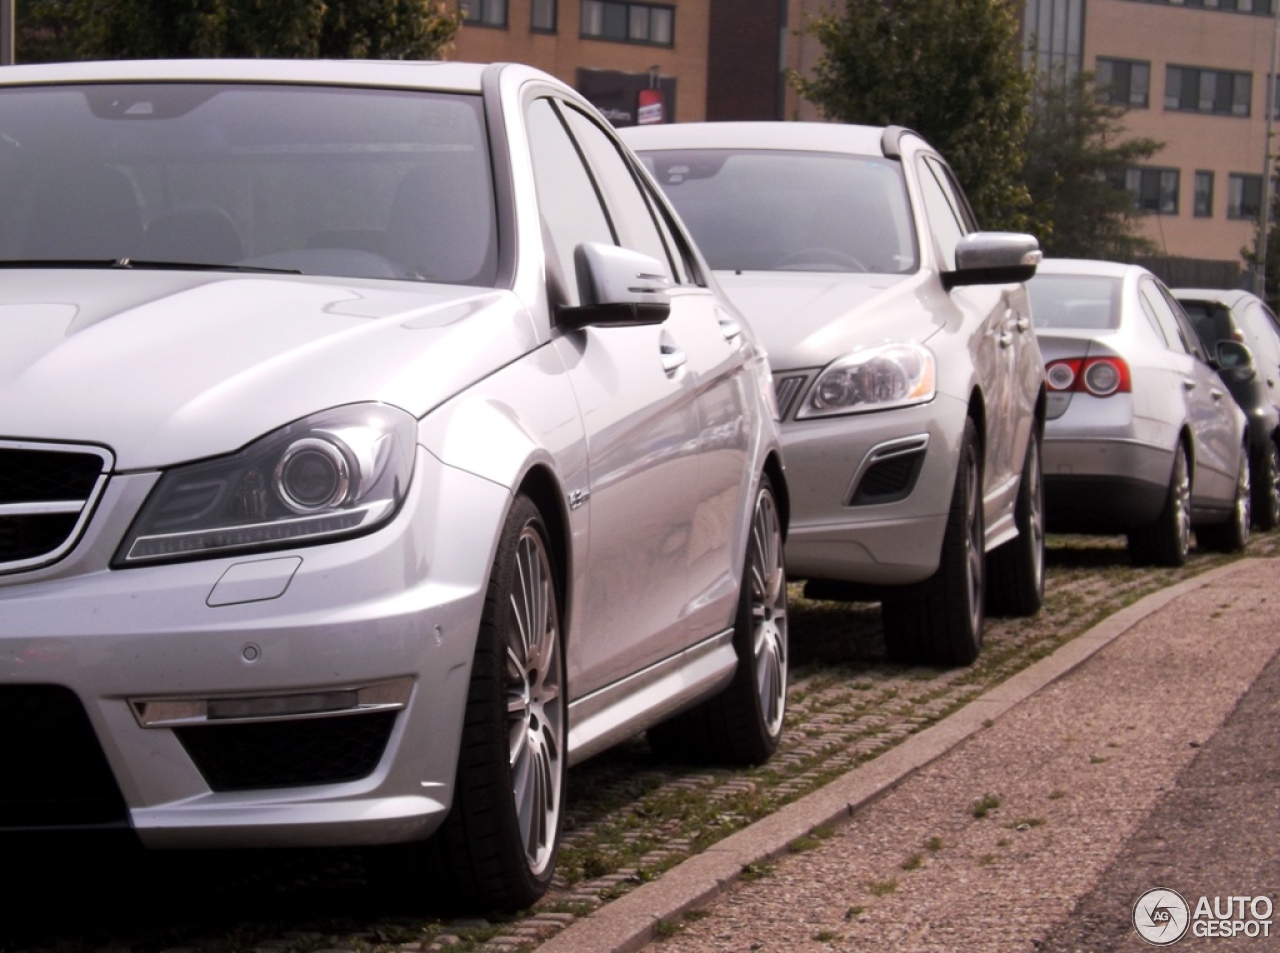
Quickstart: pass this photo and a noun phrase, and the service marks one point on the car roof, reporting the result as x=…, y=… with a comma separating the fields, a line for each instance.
x=1087, y=266
x=417, y=74
x=1231, y=297
x=781, y=136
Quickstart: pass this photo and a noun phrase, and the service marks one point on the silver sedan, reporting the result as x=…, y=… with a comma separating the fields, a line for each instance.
x=1143, y=437
x=373, y=445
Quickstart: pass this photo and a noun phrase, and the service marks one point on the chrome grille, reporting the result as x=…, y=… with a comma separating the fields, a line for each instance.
x=47, y=492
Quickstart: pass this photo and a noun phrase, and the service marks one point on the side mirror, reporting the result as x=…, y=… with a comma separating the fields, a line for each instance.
x=1234, y=360
x=993, y=258
x=618, y=287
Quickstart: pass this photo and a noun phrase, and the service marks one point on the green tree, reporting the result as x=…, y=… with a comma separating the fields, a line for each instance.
x=950, y=70
x=1076, y=153
x=149, y=29
x=1250, y=255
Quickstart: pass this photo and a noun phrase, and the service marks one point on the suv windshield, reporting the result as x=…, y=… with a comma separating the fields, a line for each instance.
x=306, y=179
x=791, y=211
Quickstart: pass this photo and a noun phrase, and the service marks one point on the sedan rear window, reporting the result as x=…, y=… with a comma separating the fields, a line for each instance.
x=1086, y=302
x=791, y=211
x=307, y=179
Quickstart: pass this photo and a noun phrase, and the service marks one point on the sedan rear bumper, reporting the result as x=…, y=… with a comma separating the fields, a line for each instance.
x=1103, y=485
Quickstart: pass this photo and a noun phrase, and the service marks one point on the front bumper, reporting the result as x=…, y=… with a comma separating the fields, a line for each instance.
x=839, y=532
x=400, y=605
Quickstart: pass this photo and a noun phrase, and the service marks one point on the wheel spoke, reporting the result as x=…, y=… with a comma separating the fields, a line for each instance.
x=768, y=603
x=535, y=704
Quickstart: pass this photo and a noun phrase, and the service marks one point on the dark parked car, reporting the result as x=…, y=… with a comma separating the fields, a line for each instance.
x=1253, y=379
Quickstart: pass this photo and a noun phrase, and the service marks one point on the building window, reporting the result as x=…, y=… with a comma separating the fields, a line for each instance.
x=1154, y=190
x=484, y=12
x=648, y=23
x=1204, y=194
x=543, y=17
x=1123, y=82
x=1244, y=195
x=1221, y=92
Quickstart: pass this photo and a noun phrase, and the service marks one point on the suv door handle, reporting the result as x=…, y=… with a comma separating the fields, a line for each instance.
x=1188, y=384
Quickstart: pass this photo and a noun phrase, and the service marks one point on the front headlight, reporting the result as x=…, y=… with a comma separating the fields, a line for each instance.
x=877, y=378
x=335, y=474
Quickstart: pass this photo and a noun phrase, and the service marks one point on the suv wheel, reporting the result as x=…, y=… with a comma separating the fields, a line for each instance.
x=939, y=621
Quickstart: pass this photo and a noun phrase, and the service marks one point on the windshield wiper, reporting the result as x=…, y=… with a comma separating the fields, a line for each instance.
x=145, y=265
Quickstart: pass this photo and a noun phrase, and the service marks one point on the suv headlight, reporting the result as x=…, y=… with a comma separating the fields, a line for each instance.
x=338, y=473
x=876, y=378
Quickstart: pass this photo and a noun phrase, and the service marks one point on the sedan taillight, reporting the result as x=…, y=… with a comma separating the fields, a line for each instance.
x=1099, y=376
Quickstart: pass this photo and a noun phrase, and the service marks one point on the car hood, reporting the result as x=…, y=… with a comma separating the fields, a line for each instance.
x=809, y=319
x=165, y=367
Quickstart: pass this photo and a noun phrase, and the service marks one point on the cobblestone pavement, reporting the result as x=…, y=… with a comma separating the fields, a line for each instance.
x=629, y=816
x=989, y=848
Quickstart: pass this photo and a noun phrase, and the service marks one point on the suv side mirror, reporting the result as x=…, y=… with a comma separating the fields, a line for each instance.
x=618, y=287
x=993, y=258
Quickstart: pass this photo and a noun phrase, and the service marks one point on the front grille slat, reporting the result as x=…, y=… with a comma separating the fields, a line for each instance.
x=46, y=495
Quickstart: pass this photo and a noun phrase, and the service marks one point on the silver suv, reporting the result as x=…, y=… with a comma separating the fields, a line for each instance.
x=908, y=377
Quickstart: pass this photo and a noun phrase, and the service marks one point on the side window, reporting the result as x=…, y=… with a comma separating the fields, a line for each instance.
x=1262, y=331
x=1186, y=329
x=944, y=221
x=568, y=201
x=631, y=212
x=1173, y=333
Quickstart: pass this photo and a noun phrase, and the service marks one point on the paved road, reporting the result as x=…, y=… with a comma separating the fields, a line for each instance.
x=1152, y=764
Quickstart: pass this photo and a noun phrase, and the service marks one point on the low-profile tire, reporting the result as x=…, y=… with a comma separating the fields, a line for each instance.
x=1266, y=488
x=743, y=723
x=1167, y=541
x=1232, y=535
x=496, y=850
x=1015, y=571
x=939, y=621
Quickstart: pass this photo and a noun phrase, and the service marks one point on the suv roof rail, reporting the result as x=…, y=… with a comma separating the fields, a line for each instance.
x=890, y=141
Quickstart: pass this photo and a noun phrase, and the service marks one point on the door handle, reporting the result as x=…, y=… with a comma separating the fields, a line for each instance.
x=1188, y=384
x=1023, y=322
x=673, y=358
x=1005, y=338
x=730, y=328
x=1216, y=394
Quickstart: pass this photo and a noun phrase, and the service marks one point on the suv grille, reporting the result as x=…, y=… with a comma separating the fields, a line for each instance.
x=46, y=495
x=55, y=773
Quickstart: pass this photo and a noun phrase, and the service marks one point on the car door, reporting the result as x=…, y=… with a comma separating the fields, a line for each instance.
x=638, y=401
x=1209, y=408
x=715, y=350
x=998, y=325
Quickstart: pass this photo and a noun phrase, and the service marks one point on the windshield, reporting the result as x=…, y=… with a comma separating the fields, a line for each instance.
x=313, y=180
x=1086, y=302
x=791, y=211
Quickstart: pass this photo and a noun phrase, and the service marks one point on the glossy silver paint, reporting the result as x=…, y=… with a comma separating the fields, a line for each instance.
x=988, y=365
x=1109, y=461
x=643, y=446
